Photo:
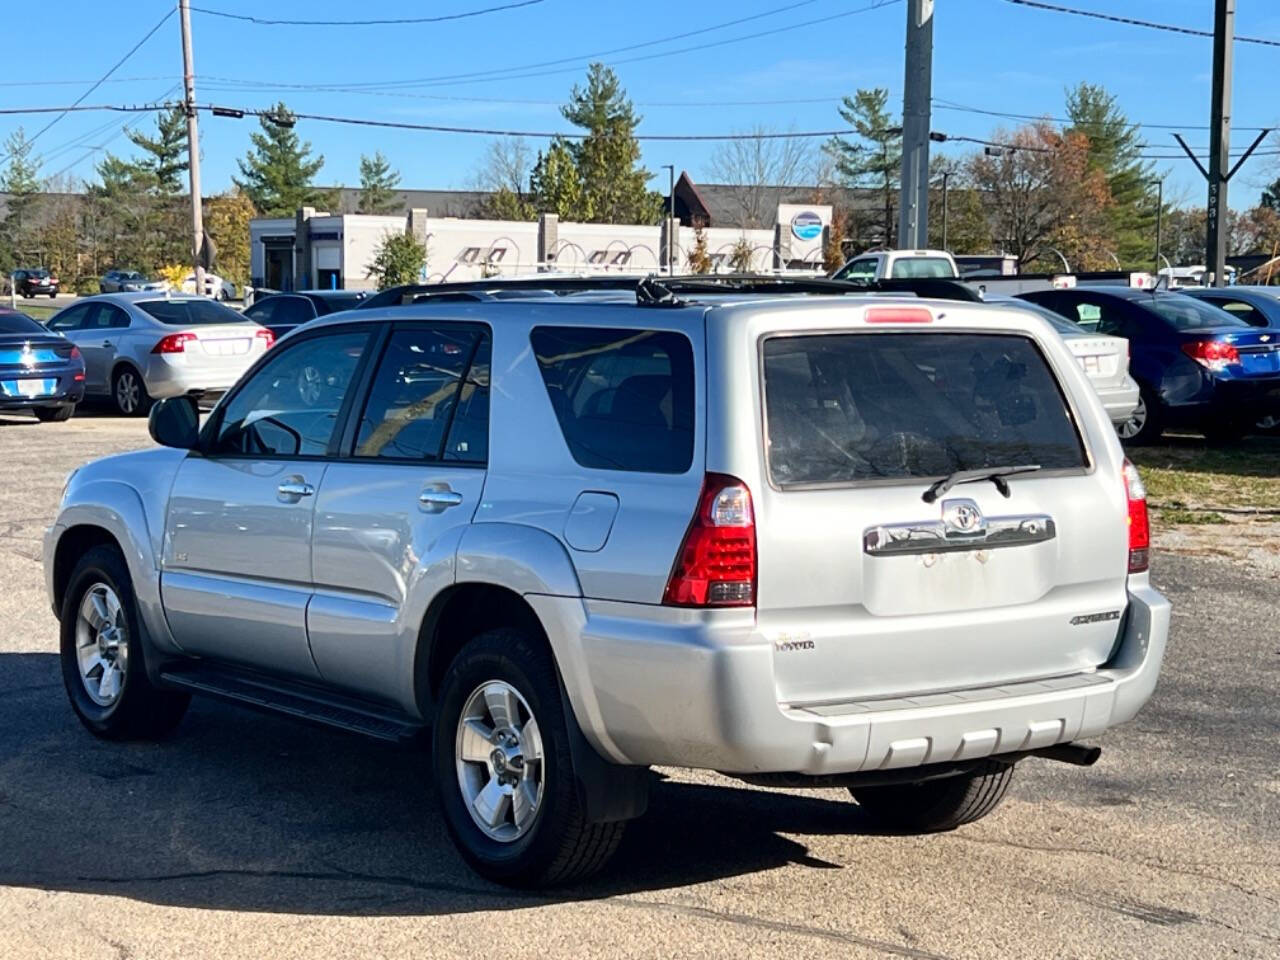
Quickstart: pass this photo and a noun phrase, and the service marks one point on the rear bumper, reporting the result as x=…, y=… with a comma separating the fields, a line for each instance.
x=171, y=379
x=69, y=390
x=1120, y=402
x=700, y=693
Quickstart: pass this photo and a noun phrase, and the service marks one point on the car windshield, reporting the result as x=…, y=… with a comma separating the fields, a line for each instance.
x=131, y=275
x=19, y=323
x=190, y=312
x=1188, y=313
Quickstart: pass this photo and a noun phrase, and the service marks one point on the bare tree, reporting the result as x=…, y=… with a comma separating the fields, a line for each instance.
x=755, y=165
x=504, y=175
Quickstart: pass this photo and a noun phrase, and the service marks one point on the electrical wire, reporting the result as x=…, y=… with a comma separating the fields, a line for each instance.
x=1134, y=22
x=132, y=50
x=963, y=108
x=398, y=21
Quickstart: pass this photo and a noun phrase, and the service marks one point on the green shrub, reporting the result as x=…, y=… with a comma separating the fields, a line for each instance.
x=87, y=286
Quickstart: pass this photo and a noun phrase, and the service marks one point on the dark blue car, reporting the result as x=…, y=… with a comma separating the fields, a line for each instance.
x=40, y=371
x=1198, y=366
x=1256, y=306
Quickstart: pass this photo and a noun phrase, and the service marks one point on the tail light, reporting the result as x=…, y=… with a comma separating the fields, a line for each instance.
x=1212, y=354
x=267, y=337
x=75, y=352
x=1139, y=525
x=716, y=565
x=174, y=343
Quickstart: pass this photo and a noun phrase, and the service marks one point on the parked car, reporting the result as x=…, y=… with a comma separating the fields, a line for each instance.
x=899, y=265
x=214, y=286
x=139, y=347
x=1197, y=366
x=878, y=542
x=40, y=371
x=35, y=282
x=1256, y=306
x=1105, y=360
x=283, y=313
x=128, y=281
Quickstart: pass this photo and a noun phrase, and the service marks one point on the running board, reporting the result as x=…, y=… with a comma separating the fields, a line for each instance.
x=293, y=700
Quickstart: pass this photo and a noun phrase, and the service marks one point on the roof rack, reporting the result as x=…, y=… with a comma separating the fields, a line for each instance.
x=664, y=291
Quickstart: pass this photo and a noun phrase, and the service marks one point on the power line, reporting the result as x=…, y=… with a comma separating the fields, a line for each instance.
x=963, y=108
x=103, y=78
x=1134, y=22
x=399, y=21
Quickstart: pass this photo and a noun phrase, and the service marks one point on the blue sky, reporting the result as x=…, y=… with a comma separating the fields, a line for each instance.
x=989, y=54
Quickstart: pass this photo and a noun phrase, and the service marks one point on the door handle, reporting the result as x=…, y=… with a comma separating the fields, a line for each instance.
x=439, y=499
x=106, y=343
x=294, y=489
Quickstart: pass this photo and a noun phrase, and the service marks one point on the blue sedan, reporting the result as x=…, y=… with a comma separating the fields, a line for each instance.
x=1256, y=306
x=40, y=371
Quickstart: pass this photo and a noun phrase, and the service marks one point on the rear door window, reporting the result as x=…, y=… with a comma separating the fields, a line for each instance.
x=624, y=398
x=850, y=408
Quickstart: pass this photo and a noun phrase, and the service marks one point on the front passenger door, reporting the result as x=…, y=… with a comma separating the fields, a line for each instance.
x=237, y=551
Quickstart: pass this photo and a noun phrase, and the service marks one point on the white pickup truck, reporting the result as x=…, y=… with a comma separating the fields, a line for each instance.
x=900, y=265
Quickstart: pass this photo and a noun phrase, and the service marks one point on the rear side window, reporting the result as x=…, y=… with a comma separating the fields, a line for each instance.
x=1188, y=313
x=848, y=408
x=624, y=398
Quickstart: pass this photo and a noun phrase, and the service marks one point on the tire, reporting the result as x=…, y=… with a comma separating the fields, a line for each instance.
x=53, y=295
x=937, y=804
x=556, y=845
x=54, y=414
x=129, y=392
x=1147, y=423
x=133, y=708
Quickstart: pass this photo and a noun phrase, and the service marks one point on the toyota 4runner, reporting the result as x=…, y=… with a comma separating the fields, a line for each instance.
x=880, y=543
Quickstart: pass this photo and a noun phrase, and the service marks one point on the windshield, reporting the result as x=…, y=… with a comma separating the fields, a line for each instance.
x=845, y=408
x=190, y=312
x=19, y=323
x=1188, y=313
x=914, y=267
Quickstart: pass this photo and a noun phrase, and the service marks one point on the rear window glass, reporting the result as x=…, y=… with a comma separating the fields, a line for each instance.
x=846, y=408
x=624, y=398
x=190, y=313
x=908, y=267
x=19, y=323
x=1188, y=313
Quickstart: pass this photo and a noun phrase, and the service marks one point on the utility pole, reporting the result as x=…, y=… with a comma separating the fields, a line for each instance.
x=1224, y=28
x=193, y=145
x=1159, y=218
x=946, y=175
x=917, y=94
x=671, y=215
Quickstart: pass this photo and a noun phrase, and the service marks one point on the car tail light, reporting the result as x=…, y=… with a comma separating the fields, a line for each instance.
x=716, y=565
x=79, y=376
x=174, y=343
x=267, y=337
x=75, y=353
x=1212, y=354
x=898, y=315
x=1139, y=525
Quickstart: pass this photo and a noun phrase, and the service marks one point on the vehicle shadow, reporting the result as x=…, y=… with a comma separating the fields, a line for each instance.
x=245, y=811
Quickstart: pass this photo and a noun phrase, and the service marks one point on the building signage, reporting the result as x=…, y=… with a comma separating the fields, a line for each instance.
x=806, y=225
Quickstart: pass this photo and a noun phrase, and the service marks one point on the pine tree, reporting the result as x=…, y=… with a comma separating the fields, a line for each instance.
x=1115, y=148
x=21, y=182
x=120, y=208
x=556, y=185
x=159, y=171
x=378, y=183
x=614, y=185
x=875, y=159
x=278, y=171
x=165, y=154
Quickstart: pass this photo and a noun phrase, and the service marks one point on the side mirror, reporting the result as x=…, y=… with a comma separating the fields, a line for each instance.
x=175, y=423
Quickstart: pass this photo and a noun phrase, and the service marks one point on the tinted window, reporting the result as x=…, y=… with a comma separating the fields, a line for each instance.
x=19, y=323
x=261, y=312
x=332, y=303
x=292, y=310
x=624, y=398
x=922, y=267
x=1106, y=315
x=1188, y=313
x=843, y=408
x=469, y=436
x=290, y=406
x=858, y=269
x=73, y=318
x=1239, y=308
x=189, y=313
x=411, y=403
x=106, y=317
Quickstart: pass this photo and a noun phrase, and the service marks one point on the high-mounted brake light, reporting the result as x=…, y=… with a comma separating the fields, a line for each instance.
x=174, y=343
x=716, y=565
x=1212, y=354
x=267, y=337
x=1139, y=525
x=898, y=315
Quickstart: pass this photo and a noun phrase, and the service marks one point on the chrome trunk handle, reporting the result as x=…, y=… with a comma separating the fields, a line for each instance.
x=961, y=527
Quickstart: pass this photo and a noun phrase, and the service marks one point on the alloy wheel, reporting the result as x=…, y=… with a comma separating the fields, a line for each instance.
x=127, y=392
x=102, y=650
x=1133, y=426
x=499, y=758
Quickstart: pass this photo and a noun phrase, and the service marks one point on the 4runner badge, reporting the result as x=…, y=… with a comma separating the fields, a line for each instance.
x=785, y=642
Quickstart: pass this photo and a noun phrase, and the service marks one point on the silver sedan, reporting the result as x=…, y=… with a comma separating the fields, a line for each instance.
x=141, y=347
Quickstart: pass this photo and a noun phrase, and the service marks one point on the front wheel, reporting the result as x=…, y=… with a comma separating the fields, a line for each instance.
x=504, y=771
x=103, y=668
x=935, y=805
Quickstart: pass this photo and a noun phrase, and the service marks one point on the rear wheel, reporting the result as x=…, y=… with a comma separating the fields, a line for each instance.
x=937, y=804
x=130, y=393
x=54, y=414
x=102, y=656
x=504, y=771
x=1145, y=424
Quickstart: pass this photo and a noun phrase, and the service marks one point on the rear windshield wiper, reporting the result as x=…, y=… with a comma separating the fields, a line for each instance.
x=995, y=474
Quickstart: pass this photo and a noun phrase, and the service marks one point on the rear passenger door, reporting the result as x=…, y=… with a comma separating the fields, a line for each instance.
x=394, y=507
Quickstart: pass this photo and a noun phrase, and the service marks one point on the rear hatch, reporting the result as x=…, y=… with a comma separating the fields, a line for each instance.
x=866, y=589
x=1259, y=350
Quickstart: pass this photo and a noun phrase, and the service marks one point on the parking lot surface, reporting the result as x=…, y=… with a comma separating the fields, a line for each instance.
x=248, y=835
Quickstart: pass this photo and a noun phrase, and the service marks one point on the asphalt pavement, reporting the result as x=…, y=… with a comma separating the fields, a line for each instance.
x=250, y=836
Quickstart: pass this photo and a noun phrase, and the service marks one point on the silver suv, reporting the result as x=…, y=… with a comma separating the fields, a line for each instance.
x=879, y=543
